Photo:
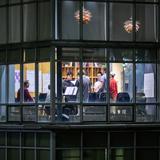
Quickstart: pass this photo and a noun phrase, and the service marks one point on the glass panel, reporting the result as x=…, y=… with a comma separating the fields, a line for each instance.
x=120, y=15
x=69, y=25
x=94, y=139
x=3, y=56
x=27, y=139
x=2, y=138
x=43, y=154
x=146, y=17
x=94, y=19
x=13, y=139
x=29, y=55
x=44, y=112
x=14, y=24
x=13, y=56
x=14, y=1
x=3, y=2
x=28, y=154
x=122, y=139
x=121, y=55
x=94, y=113
x=145, y=113
x=3, y=26
x=121, y=82
x=29, y=22
x=72, y=154
x=94, y=54
x=13, y=154
x=147, y=154
x=147, y=139
x=3, y=113
x=2, y=153
x=44, y=54
x=2, y=84
x=94, y=82
x=43, y=139
x=94, y=154
x=44, y=82
x=14, y=83
x=29, y=82
x=145, y=55
x=44, y=21
x=147, y=1
x=29, y=113
x=122, y=154
x=121, y=113
x=145, y=83
x=14, y=113
x=68, y=86
x=68, y=139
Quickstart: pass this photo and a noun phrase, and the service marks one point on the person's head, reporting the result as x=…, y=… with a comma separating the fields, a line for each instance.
x=26, y=84
x=99, y=75
x=112, y=74
x=69, y=76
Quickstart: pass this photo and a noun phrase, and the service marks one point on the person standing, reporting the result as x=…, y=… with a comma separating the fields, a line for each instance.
x=113, y=87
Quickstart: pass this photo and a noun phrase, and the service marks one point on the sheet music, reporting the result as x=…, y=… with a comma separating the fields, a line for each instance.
x=71, y=91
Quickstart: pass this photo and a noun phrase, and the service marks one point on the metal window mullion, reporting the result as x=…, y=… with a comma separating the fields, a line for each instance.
x=158, y=21
x=21, y=22
x=81, y=145
x=53, y=8
x=108, y=78
x=52, y=84
x=108, y=144
x=134, y=87
x=20, y=146
x=35, y=148
x=37, y=20
x=134, y=145
x=59, y=19
x=81, y=85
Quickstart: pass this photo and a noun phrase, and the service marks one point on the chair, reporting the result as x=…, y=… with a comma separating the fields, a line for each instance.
x=123, y=97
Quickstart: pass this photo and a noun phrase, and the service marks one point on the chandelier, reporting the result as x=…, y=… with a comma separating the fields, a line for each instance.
x=87, y=15
x=128, y=25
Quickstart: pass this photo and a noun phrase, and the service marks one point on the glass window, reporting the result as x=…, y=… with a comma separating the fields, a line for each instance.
x=69, y=25
x=28, y=154
x=29, y=113
x=44, y=54
x=146, y=17
x=29, y=22
x=44, y=82
x=29, y=82
x=94, y=19
x=120, y=14
x=13, y=154
x=14, y=83
x=27, y=139
x=3, y=114
x=3, y=2
x=14, y=24
x=2, y=153
x=14, y=113
x=44, y=21
x=13, y=56
x=13, y=139
x=145, y=83
x=43, y=140
x=29, y=55
x=2, y=83
x=3, y=26
x=43, y=154
x=2, y=138
x=3, y=56
x=121, y=82
x=14, y=1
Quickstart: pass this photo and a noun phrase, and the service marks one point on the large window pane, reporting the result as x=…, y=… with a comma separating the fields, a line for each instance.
x=29, y=82
x=3, y=26
x=121, y=82
x=69, y=26
x=14, y=83
x=28, y=154
x=13, y=154
x=146, y=16
x=29, y=22
x=14, y=24
x=3, y=114
x=96, y=13
x=119, y=14
x=145, y=83
x=44, y=21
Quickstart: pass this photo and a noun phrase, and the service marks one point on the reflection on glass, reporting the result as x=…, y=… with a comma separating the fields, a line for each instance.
x=44, y=82
x=2, y=83
x=44, y=114
x=145, y=113
x=145, y=83
x=121, y=113
x=14, y=83
x=94, y=113
x=29, y=83
x=29, y=113
x=121, y=82
x=3, y=113
x=14, y=113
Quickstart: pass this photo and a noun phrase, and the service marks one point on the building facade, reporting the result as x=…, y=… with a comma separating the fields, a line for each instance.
x=79, y=79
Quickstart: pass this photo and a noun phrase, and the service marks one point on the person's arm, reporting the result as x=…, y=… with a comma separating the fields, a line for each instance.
x=27, y=95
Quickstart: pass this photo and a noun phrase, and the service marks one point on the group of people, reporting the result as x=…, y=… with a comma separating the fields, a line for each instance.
x=100, y=86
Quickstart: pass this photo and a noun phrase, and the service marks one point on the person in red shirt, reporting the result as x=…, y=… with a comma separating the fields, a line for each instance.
x=113, y=87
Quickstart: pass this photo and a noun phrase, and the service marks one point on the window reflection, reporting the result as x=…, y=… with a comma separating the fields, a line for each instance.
x=14, y=82
x=2, y=83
